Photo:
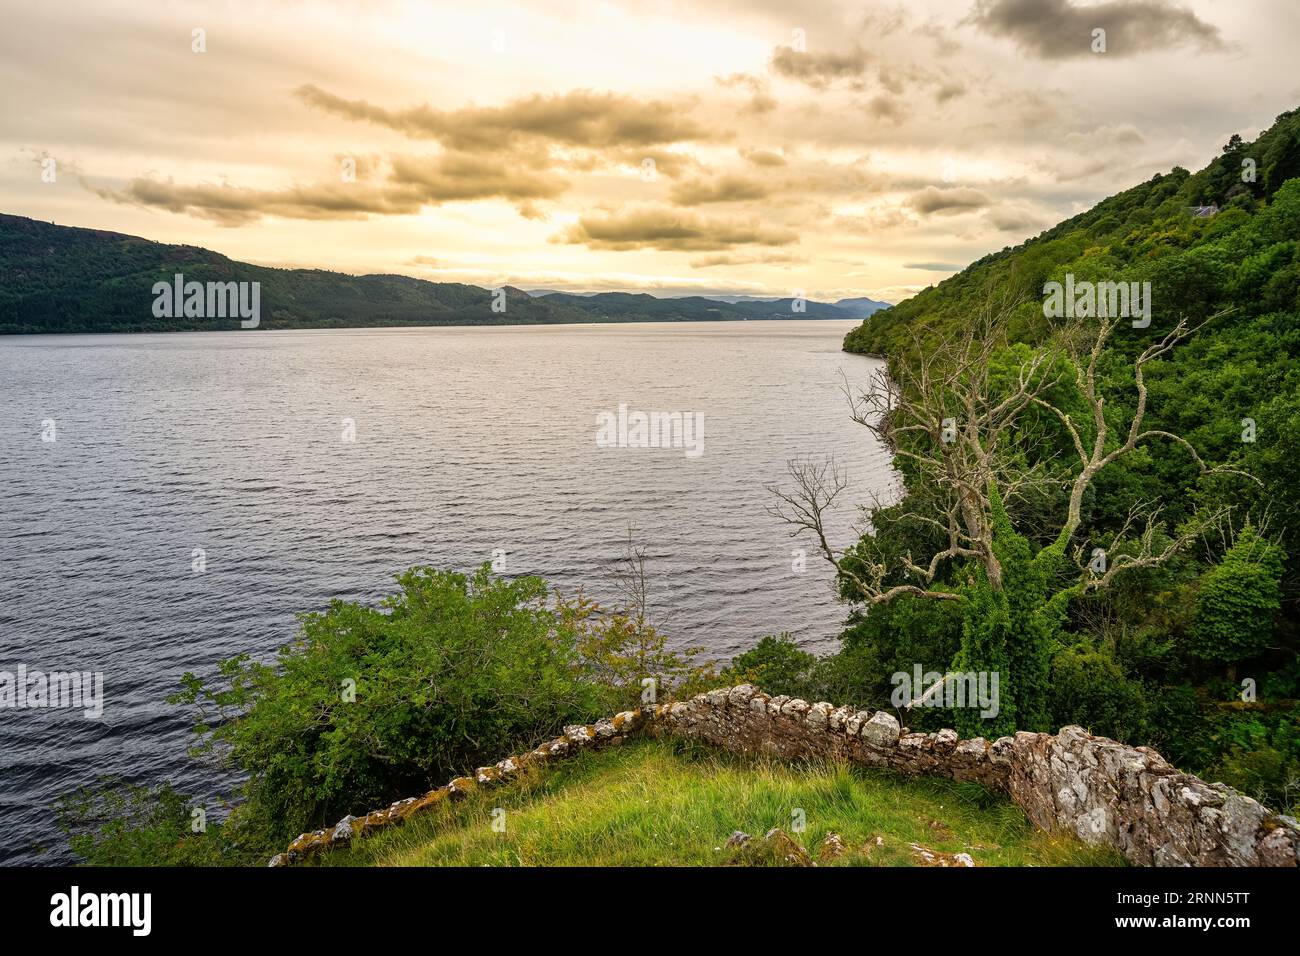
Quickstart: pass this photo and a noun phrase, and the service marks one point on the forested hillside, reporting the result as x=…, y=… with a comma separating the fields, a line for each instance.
x=64, y=279
x=1195, y=654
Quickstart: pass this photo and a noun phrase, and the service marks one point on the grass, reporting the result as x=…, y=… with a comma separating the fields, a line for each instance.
x=674, y=803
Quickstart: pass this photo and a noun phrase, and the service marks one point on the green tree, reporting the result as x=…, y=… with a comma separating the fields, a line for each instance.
x=954, y=418
x=1239, y=600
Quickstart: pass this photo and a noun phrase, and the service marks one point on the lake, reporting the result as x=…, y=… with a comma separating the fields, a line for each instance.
x=169, y=500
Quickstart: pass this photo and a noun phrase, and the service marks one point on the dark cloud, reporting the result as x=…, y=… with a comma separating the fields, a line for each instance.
x=459, y=176
x=933, y=266
x=949, y=91
x=582, y=118
x=414, y=182
x=763, y=157
x=820, y=70
x=1060, y=29
x=951, y=201
x=676, y=230
x=886, y=108
x=746, y=259
x=238, y=206
x=1014, y=220
x=697, y=192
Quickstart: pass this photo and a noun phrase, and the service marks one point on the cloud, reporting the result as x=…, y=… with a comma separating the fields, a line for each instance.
x=675, y=230
x=1060, y=29
x=820, y=70
x=582, y=118
x=949, y=201
x=449, y=177
x=238, y=206
x=1010, y=219
x=761, y=100
x=414, y=182
x=666, y=161
x=933, y=266
x=949, y=91
x=745, y=259
x=763, y=157
x=697, y=192
x=886, y=108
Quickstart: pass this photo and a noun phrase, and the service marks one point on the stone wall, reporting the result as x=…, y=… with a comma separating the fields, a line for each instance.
x=1104, y=792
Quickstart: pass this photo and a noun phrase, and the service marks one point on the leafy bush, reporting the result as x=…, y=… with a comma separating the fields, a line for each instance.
x=1263, y=759
x=118, y=824
x=776, y=665
x=1239, y=600
x=454, y=671
x=1089, y=688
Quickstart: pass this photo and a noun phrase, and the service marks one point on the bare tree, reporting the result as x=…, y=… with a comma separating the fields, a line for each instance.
x=959, y=433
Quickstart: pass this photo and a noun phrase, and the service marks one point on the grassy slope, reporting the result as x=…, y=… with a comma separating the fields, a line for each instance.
x=662, y=802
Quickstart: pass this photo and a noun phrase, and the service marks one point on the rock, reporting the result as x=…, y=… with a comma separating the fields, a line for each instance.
x=832, y=848
x=740, y=696
x=461, y=787
x=795, y=708
x=881, y=730
x=819, y=715
x=716, y=698
x=782, y=846
x=928, y=857
x=839, y=720
x=343, y=832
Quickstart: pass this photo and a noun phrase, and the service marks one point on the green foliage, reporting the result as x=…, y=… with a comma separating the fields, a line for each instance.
x=370, y=704
x=984, y=637
x=1090, y=689
x=1264, y=761
x=1239, y=600
x=120, y=824
x=1232, y=390
x=776, y=665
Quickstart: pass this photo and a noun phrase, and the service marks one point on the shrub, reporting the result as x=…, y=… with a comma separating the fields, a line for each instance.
x=1239, y=600
x=777, y=666
x=1090, y=689
x=454, y=671
x=119, y=824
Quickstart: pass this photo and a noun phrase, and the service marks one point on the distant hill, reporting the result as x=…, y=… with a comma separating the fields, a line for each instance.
x=66, y=279
x=626, y=306
x=861, y=308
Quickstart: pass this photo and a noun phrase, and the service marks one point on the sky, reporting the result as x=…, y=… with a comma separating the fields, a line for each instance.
x=753, y=147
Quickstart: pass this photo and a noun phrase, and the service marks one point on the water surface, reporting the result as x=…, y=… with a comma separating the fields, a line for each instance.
x=467, y=441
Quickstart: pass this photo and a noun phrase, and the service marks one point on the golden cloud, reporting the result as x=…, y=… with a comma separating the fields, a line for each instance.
x=664, y=228
x=933, y=199
x=697, y=192
x=581, y=118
